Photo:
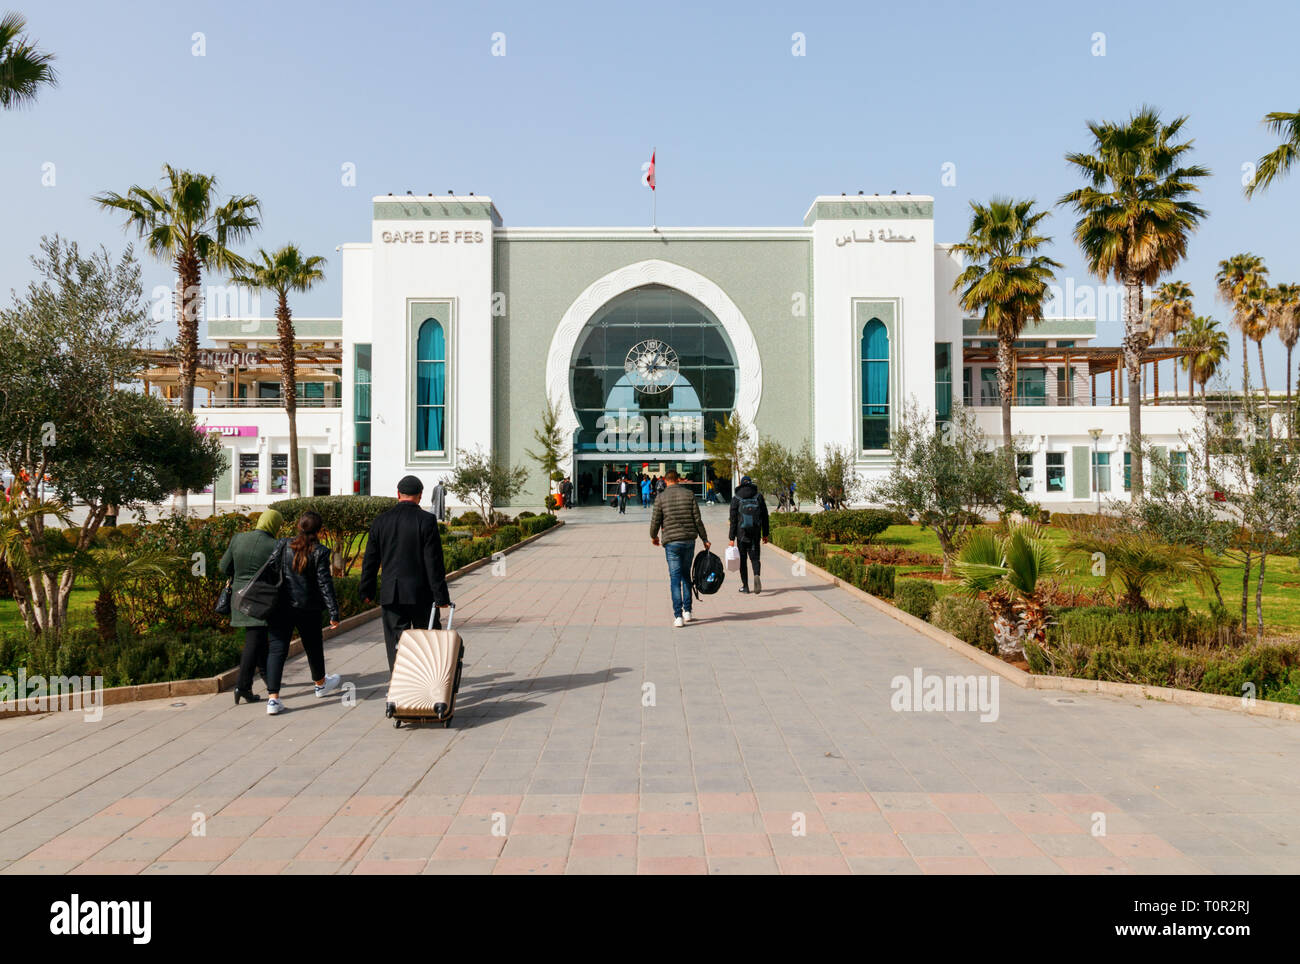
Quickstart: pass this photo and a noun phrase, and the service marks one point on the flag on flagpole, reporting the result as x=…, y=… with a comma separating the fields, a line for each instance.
x=648, y=172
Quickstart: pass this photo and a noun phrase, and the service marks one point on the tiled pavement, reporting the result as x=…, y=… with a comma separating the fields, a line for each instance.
x=592, y=737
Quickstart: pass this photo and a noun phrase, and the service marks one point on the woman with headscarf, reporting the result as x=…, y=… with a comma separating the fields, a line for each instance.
x=247, y=553
x=306, y=589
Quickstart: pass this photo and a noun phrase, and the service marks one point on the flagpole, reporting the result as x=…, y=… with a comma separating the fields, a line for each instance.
x=654, y=198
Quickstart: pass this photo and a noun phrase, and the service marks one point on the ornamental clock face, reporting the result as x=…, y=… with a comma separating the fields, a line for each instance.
x=651, y=366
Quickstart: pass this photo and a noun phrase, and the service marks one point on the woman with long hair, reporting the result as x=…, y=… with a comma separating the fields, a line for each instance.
x=307, y=589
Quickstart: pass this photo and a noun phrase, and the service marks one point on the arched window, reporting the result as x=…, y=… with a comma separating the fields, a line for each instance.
x=875, y=385
x=430, y=387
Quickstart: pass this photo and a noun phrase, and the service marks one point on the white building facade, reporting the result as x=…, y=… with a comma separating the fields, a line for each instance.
x=456, y=331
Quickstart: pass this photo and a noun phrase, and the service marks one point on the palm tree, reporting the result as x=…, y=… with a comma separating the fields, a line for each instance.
x=284, y=271
x=1171, y=309
x=1135, y=217
x=1005, y=281
x=1139, y=567
x=24, y=69
x=1210, y=342
x=22, y=560
x=110, y=570
x=1283, y=305
x=1008, y=568
x=1242, y=281
x=1278, y=161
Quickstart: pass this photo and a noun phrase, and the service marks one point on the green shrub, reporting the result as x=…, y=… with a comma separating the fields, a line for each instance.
x=525, y=515
x=470, y=518
x=794, y=518
x=787, y=537
x=879, y=580
x=851, y=526
x=537, y=523
x=846, y=567
x=507, y=536
x=345, y=520
x=967, y=618
x=811, y=548
x=1102, y=626
x=915, y=596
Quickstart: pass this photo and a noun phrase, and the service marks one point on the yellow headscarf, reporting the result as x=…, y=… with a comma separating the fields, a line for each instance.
x=269, y=522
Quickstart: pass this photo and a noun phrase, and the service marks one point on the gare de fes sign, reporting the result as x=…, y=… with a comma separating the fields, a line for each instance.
x=230, y=358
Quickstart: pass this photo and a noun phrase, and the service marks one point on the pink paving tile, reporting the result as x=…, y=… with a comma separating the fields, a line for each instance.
x=1081, y=802
x=737, y=845
x=541, y=866
x=1138, y=845
x=135, y=807
x=609, y=803
x=870, y=845
x=295, y=826
x=110, y=868
x=783, y=821
x=812, y=865
x=333, y=848
x=255, y=806
x=1003, y=845
x=1044, y=823
x=262, y=868
x=543, y=823
x=919, y=821
x=655, y=823
x=469, y=847
x=396, y=867
x=674, y=866
x=368, y=806
x=963, y=803
x=728, y=803
x=1093, y=865
x=70, y=848
x=953, y=865
x=412, y=825
x=161, y=826
x=847, y=802
x=203, y=848
x=604, y=845
x=479, y=805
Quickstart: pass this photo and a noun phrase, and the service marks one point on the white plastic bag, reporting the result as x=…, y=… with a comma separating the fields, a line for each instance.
x=732, y=556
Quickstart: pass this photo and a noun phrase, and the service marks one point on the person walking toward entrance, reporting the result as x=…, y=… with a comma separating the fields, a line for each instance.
x=405, y=546
x=623, y=485
x=247, y=554
x=750, y=528
x=645, y=491
x=676, y=516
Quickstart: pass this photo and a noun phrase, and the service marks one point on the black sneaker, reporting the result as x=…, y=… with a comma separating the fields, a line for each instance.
x=744, y=589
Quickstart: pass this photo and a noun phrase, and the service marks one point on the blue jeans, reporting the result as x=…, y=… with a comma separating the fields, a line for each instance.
x=680, y=556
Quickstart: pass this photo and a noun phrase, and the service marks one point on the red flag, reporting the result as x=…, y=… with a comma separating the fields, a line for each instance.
x=648, y=177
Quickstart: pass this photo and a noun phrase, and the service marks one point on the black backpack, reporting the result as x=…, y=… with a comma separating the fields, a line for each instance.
x=749, y=514
x=707, y=573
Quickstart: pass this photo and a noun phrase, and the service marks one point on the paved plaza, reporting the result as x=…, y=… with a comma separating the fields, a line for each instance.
x=593, y=737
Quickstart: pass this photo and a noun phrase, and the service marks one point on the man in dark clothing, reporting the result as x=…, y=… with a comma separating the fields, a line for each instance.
x=749, y=529
x=623, y=485
x=404, y=543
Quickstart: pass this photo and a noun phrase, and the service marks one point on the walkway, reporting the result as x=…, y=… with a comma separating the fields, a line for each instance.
x=591, y=736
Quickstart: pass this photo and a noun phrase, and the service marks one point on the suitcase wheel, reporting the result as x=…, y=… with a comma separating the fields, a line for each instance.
x=390, y=709
x=446, y=724
x=397, y=724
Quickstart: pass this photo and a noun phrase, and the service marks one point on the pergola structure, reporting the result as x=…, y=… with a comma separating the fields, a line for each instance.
x=313, y=362
x=1100, y=360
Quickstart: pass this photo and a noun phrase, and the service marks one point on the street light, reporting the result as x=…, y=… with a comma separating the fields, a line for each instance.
x=1096, y=469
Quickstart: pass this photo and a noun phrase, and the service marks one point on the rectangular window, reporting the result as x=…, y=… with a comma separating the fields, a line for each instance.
x=1025, y=470
x=320, y=473
x=1178, y=470
x=1055, y=471
x=248, y=473
x=1128, y=471
x=967, y=398
x=943, y=381
x=268, y=394
x=989, y=387
x=361, y=421
x=311, y=394
x=1031, y=386
x=1065, y=384
x=280, y=472
x=1065, y=344
x=875, y=385
x=1101, y=471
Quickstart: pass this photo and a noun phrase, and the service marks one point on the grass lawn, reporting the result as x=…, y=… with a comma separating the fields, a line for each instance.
x=80, y=611
x=1281, y=579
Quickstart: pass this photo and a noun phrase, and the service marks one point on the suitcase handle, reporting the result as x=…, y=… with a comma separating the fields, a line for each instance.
x=450, y=616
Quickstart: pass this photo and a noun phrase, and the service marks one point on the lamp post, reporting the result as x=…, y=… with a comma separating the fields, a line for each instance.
x=1096, y=470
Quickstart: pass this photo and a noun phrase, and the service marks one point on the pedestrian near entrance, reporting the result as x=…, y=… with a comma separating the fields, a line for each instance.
x=676, y=518
x=750, y=528
x=247, y=554
x=623, y=485
x=645, y=491
x=404, y=545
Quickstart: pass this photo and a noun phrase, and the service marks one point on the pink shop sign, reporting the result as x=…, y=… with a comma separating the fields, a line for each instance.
x=229, y=430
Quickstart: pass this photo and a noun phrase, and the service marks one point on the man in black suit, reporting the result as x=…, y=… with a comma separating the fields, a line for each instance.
x=405, y=544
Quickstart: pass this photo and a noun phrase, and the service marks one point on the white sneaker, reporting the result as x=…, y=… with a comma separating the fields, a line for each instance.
x=677, y=623
x=686, y=616
x=332, y=682
x=274, y=707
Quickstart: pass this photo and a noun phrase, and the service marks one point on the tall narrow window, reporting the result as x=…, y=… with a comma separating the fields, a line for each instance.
x=875, y=385
x=942, y=381
x=430, y=387
x=361, y=422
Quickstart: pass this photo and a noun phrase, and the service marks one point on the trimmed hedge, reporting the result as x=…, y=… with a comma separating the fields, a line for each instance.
x=811, y=548
x=967, y=618
x=851, y=526
x=915, y=596
x=879, y=580
x=537, y=523
x=345, y=520
x=787, y=537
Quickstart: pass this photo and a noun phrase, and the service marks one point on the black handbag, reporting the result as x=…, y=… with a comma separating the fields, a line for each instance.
x=223, y=601
x=258, y=600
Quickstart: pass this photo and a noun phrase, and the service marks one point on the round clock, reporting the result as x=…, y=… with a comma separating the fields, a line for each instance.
x=651, y=366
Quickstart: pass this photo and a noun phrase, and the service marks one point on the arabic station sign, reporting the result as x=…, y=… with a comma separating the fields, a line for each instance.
x=873, y=235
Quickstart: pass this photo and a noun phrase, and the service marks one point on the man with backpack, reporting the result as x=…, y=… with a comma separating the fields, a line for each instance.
x=676, y=515
x=749, y=529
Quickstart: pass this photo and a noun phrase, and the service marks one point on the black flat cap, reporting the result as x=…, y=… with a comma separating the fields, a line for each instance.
x=410, y=485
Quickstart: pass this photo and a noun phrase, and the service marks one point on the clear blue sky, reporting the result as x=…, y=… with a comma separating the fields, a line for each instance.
x=556, y=130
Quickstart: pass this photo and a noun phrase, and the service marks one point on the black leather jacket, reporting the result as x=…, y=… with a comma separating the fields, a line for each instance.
x=313, y=588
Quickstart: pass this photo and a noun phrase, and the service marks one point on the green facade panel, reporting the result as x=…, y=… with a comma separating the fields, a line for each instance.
x=1081, y=462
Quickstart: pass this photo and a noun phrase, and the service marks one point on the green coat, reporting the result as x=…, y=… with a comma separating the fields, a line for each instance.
x=247, y=552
